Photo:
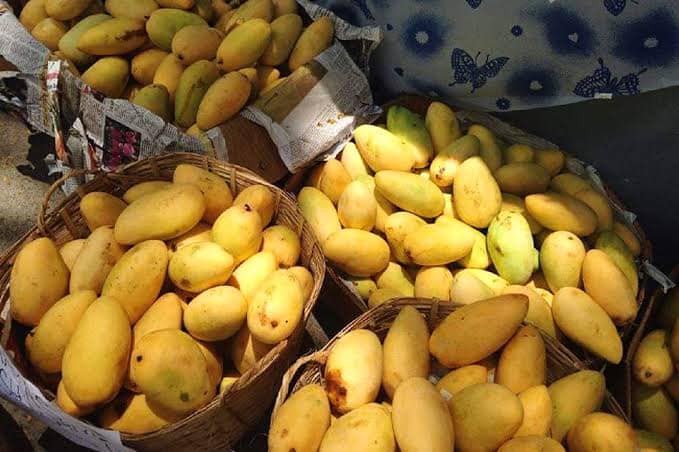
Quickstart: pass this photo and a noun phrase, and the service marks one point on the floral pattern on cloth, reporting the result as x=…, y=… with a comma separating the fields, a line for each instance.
x=518, y=54
x=121, y=145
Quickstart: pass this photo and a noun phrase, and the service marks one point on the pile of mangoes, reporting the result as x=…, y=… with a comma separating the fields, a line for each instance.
x=192, y=62
x=485, y=390
x=133, y=320
x=416, y=207
x=655, y=369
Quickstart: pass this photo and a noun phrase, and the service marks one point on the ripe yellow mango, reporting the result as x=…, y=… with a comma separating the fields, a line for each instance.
x=193, y=84
x=67, y=405
x=489, y=151
x=252, y=9
x=108, y=76
x=65, y=9
x=467, y=289
x=600, y=205
x=439, y=243
x=608, y=286
x=519, y=153
x=629, y=237
x=212, y=352
x=652, y=442
x=446, y=163
x=353, y=162
x=433, y=282
x=49, y=339
x=603, y=432
x=165, y=313
x=476, y=195
x=319, y=212
x=410, y=127
x=574, y=397
x=96, y=259
x=365, y=287
x=366, y=428
x=137, y=290
x=171, y=353
x=357, y=252
x=654, y=410
x=396, y=228
x=243, y=46
x=261, y=199
x=652, y=363
x=539, y=310
x=217, y=193
x=561, y=257
x=156, y=99
x=396, y=277
x=177, y=4
x=116, y=36
x=531, y=444
x=69, y=251
x=145, y=64
x=610, y=243
x=577, y=315
x=216, y=314
x=453, y=342
x=283, y=243
x=357, y=207
x=38, y=280
x=314, y=40
x=199, y=266
x=380, y=296
x=410, y=192
x=100, y=209
x=353, y=370
x=202, y=232
x=228, y=380
x=250, y=274
x=569, y=184
x=49, y=31
x=164, y=23
x=522, y=179
x=458, y=379
x=225, y=98
x=421, y=418
x=300, y=423
x=510, y=246
x=133, y=9
x=523, y=361
x=492, y=280
x=133, y=414
x=382, y=150
x=168, y=74
x=246, y=350
x=331, y=178
x=485, y=416
x=68, y=44
x=512, y=203
x=442, y=125
x=552, y=160
x=562, y=213
x=406, y=350
x=537, y=412
x=32, y=13
x=94, y=364
x=239, y=231
x=285, y=30
x=282, y=7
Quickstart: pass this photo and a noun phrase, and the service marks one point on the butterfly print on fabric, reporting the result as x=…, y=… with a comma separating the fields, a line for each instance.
x=616, y=7
x=474, y=3
x=466, y=70
x=601, y=82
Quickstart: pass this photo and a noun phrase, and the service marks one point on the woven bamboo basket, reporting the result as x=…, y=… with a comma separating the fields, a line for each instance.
x=239, y=409
x=351, y=304
x=560, y=361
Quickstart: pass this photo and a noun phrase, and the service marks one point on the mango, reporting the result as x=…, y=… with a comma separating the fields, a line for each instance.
x=67, y=405
x=652, y=442
x=439, y=243
x=569, y=184
x=600, y=205
x=223, y=99
x=446, y=163
x=261, y=199
x=239, y=231
x=410, y=192
x=513, y=203
x=199, y=266
x=467, y=289
x=94, y=365
x=202, y=232
x=611, y=244
x=137, y=290
x=168, y=74
x=165, y=313
x=672, y=387
x=490, y=151
x=133, y=414
x=510, y=246
x=453, y=342
x=96, y=259
x=156, y=99
x=300, y=423
x=460, y=378
x=357, y=252
x=285, y=30
x=216, y=314
x=577, y=315
x=319, y=212
x=353, y=162
x=282, y=7
x=608, y=286
x=132, y=9
x=442, y=125
x=397, y=228
x=353, y=379
x=561, y=257
x=108, y=76
x=602, y=432
x=69, y=252
x=523, y=362
x=313, y=41
x=193, y=85
x=145, y=64
x=562, y=213
x=164, y=23
x=177, y=4
x=65, y=9
x=396, y=277
x=652, y=363
x=383, y=295
x=368, y=428
x=252, y=9
x=363, y=286
x=573, y=397
x=357, y=207
x=539, y=310
x=246, y=350
x=382, y=150
x=476, y=195
x=100, y=209
x=668, y=311
x=421, y=418
x=519, y=153
x=204, y=9
x=68, y=42
x=654, y=410
x=531, y=444
x=170, y=369
x=485, y=416
x=674, y=342
x=283, y=243
x=537, y=412
x=331, y=178
x=410, y=127
x=433, y=282
x=629, y=237
x=250, y=274
x=492, y=280
x=216, y=192
x=406, y=350
x=116, y=36
x=39, y=279
x=32, y=13
x=228, y=380
x=552, y=160
x=243, y=46
x=49, y=32
x=224, y=19
x=522, y=179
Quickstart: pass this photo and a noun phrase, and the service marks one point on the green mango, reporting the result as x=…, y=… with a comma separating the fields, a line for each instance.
x=193, y=84
x=165, y=22
x=410, y=127
x=156, y=99
x=68, y=44
x=610, y=243
x=510, y=245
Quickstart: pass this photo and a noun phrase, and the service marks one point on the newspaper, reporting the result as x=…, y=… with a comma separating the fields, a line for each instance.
x=18, y=46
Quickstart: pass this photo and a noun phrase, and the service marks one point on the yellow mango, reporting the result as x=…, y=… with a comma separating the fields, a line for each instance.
x=608, y=286
x=458, y=379
x=410, y=127
x=383, y=295
x=68, y=44
x=476, y=195
x=276, y=309
x=519, y=153
x=433, y=282
x=145, y=64
x=485, y=416
x=357, y=207
x=629, y=237
x=561, y=257
x=246, y=350
x=65, y=9
x=600, y=205
x=611, y=244
x=133, y=414
x=569, y=184
x=32, y=13
x=216, y=314
x=447, y=161
x=164, y=23
x=261, y=199
x=577, y=315
x=177, y=4
x=489, y=151
x=171, y=353
x=137, y=290
x=283, y=243
x=156, y=99
x=239, y=231
x=522, y=179
x=168, y=73
x=510, y=246
x=165, y=313
x=193, y=85
x=421, y=418
x=654, y=410
x=669, y=309
x=69, y=252
x=250, y=274
x=453, y=342
x=537, y=412
x=652, y=363
x=395, y=277
x=96, y=259
x=108, y=76
x=562, y=213
x=574, y=397
x=357, y=252
x=116, y=36
x=243, y=46
x=353, y=162
x=368, y=428
x=228, y=380
x=300, y=423
x=319, y=212
x=305, y=279
x=202, y=232
x=100, y=209
x=67, y=405
x=406, y=350
x=311, y=42
x=217, y=193
x=523, y=361
x=382, y=150
x=363, y=286
x=212, y=352
x=49, y=31
x=48, y=341
x=252, y=9
x=531, y=444
x=285, y=30
x=490, y=279
x=410, y=192
x=439, y=244
x=133, y=9
x=353, y=370
x=467, y=289
x=442, y=125
x=602, y=432
x=224, y=99
x=512, y=203
x=199, y=266
x=652, y=442
x=396, y=228
x=552, y=160
x=448, y=207
x=94, y=364
x=539, y=310
x=282, y=7
x=331, y=178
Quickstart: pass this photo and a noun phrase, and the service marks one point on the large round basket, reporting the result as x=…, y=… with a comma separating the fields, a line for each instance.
x=237, y=410
x=560, y=360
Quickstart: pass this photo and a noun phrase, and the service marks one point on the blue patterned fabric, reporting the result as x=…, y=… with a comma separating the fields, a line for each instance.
x=517, y=54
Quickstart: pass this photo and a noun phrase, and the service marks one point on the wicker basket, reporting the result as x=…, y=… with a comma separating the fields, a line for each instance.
x=560, y=361
x=236, y=411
